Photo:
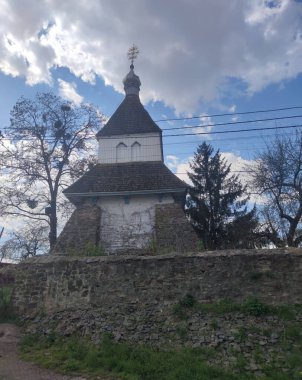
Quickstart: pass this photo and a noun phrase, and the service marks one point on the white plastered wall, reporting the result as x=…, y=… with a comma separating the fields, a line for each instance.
x=128, y=151
x=128, y=223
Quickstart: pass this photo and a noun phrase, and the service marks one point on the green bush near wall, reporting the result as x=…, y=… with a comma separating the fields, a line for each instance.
x=90, y=250
x=120, y=361
x=6, y=309
x=76, y=355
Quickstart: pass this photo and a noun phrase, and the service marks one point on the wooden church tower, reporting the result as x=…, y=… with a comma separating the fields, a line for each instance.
x=130, y=202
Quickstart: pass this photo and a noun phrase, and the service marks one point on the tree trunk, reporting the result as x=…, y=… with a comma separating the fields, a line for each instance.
x=291, y=232
x=53, y=224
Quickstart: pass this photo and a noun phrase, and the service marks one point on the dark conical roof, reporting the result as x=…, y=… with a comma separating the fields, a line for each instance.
x=129, y=118
x=104, y=179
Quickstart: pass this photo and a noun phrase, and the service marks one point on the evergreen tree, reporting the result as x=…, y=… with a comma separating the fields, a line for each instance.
x=217, y=204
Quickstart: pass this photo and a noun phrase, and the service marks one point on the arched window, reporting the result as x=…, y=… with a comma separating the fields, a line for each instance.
x=135, y=151
x=121, y=152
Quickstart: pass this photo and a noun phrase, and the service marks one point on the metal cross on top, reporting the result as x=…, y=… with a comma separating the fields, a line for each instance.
x=132, y=54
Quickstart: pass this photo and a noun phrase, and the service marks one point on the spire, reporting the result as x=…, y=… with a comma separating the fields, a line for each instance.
x=132, y=82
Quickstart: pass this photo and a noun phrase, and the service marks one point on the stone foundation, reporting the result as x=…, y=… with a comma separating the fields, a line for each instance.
x=121, y=283
x=80, y=232
x=173, y=232
x=135, y=299
x=135, y=226
x=227, y=337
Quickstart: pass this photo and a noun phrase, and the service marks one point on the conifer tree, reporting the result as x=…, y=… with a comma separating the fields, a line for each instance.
x=217, y=202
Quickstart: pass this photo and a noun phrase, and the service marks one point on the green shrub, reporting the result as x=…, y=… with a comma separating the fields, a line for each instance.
x=221, y=307
x=214, y=324
x=92, y=250
x=286, y=312
x=185, y=303
x=200, y=245
x=188, y=301
x=153, y=247
x=6, y=309
x=89, y=250
x=256, y=275
x=241, y=334
x=254, y=307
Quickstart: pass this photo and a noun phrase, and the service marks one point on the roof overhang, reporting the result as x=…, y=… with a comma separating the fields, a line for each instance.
x=126, y=193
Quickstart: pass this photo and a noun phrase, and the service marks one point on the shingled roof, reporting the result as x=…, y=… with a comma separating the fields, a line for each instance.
x=129, y=118
x=151, y=176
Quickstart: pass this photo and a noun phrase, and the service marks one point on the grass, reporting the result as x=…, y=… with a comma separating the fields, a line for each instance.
x=294, y=333
x=258, y=275
x=76, y=355
x=241, y=334
x=90, y=250
x=120, y=361
x=124, y=362
x=251, y=306
x=6, y=310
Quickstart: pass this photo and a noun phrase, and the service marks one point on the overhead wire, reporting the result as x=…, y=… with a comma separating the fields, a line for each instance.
x=199, y=126
x=234, y=122
x=231, y=139
x=213, y=132
x=228, y=114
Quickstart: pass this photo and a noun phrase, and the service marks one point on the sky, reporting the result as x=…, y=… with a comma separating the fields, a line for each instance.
x=197, y=58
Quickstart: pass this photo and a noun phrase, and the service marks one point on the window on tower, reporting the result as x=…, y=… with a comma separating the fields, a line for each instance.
x=121, y=152
x=135, y=151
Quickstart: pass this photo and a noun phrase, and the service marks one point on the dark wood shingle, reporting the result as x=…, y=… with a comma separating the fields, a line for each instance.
x=126, y=177
x=129, y=118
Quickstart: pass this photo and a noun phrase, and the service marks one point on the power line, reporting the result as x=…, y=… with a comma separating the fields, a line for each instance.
x=49, y=139
x=235, y=131
x=193, y=134
x=233, y=139
x=185, y=127
x=229, y=114
x=234, y=122
x=212, y=132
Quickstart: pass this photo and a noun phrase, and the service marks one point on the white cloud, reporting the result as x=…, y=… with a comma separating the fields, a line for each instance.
x=239, y=166
x=205, y=126
x=232, y=108
x=261, y=10
x=68, y=91
x=238, y=163
x=179, y=167
x=165, y=117
x=172, y=161
x=189, y=49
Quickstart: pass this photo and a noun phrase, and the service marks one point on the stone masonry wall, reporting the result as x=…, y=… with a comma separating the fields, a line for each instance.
x=6, y=274
x=128, y=228
x=136, y=299
x=81, y=230
x=119, y=284
x=173, y=231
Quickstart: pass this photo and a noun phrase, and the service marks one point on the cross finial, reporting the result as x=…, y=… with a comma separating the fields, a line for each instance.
x=132, y=54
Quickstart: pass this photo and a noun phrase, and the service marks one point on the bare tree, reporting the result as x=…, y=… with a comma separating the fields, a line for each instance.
x=277, y=175
x=28, y=242
x=47, y=148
